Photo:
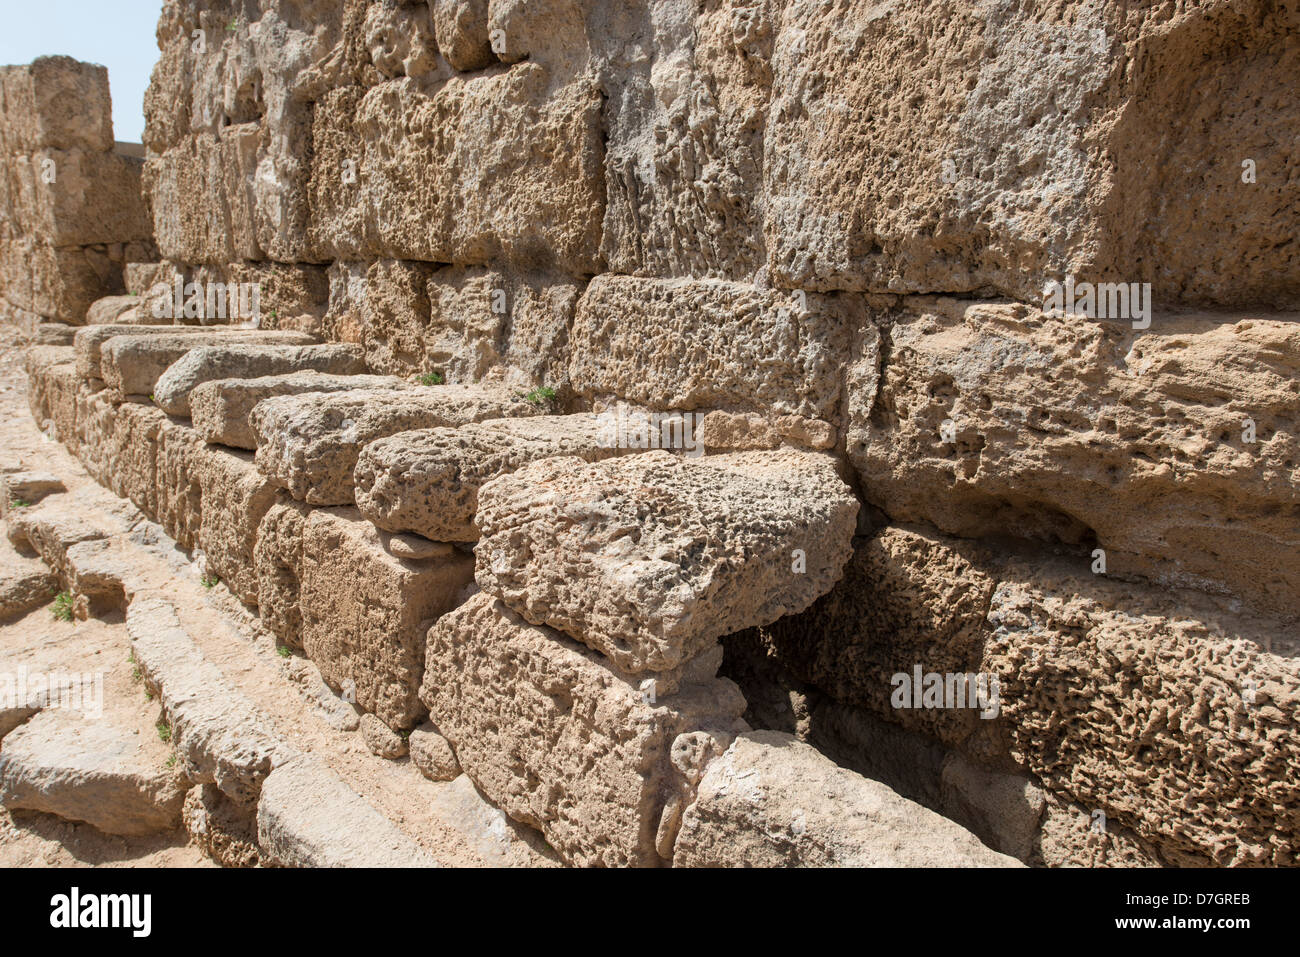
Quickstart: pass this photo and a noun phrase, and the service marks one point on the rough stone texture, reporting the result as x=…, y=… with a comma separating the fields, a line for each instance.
x=25, y=583
x=382, y=740
x=132, y=365
x=52, y=384
x=556, y=739
x=772, y=801
x=219, y=409
x=71, y=206
x=111, y=309
x=88, y=343
x=467, y=324
x=89, y=770
x=681, y=344
x=1083, y=431
x=307, y=817
x=427, y=481
x=277, y=560
x=518, y=180
x=651, y=558
x=208, y=363
x=365, y=612
x=432, y=754
x=224, y=831
x=1128, y=698
x=27, y=488
x=309, y=443
x=234, y=497
x=998, y=154
x=218, y=734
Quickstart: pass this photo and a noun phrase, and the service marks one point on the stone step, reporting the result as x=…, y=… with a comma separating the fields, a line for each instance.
x=219, y=409
x=650, y=559
x=21, y=489
x=361, y=611
x=221, y=737
x=206, y=363
x=132, y=365
x=559, y=741
x=772, y=801
x=309, y=443
x=88, y=342
x=90, y=770
x=307, y=817
x=25, y=583
x=426, y=481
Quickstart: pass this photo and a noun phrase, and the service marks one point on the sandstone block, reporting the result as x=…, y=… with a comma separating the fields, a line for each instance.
x=427, y=481
x=56, y=102
x=206, y=363
x=772, y=801
x=556, y=739
x=307, y=817
x=220, y=736
x=110, y=309
x=1172, y=448
x=309, y=443
x=685, y=344
x=432, y=754
x=365, y=612
x=88, y=343
x=219, y=409
x=25, y=583
x=651, y=558
x=92, y=771
x=132, y=365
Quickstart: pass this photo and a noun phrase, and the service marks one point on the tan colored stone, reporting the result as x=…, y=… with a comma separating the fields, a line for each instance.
x=1096, y=433
x=309, y=443
x=432, y=754
x=132, y=365
x=651, y=558
x=365, y=612
x=461, y=27
x=556, y=739
x=249, y=361
x=684, y=344
x=771, y=801
x=220, y=409
x=427, y=481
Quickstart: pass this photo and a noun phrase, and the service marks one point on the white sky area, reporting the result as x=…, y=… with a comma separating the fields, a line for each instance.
x=118, y=34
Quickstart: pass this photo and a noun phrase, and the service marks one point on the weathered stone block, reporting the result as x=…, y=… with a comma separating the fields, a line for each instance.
x=1173, y=448
x=206, y=363
x=684, y=344
x=772, y=801
x=557, y=740
x=220, y=409
x=132, y=365
x=427, y=481
x=309, y=443
x=650, y=559
x=365, y=612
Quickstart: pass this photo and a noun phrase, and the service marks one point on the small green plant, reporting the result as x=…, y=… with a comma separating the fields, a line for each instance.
x=540, y=395
x=62, y=607
x=283, y=651
x=19, y=503
x=232, y=26
x=148, y=695
x=171, y=760
x=432, y=378
x=208, y=581
x=136, y=675
x=164, y=730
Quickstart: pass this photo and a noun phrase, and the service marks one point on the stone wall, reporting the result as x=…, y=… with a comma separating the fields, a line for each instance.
x=830, y=231
x=71, y=209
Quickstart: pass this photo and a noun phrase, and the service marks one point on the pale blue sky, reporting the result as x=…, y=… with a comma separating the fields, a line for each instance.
x=118, y=34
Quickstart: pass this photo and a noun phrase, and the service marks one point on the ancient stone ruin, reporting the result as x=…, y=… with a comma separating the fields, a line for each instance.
x=733, y=432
